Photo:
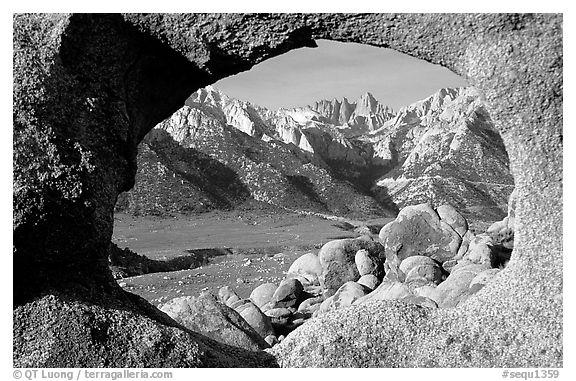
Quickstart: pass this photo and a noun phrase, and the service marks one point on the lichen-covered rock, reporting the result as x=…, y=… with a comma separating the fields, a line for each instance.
x=337, y=259
x=418, y=230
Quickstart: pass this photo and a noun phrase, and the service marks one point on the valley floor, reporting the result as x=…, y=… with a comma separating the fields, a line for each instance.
x=243, y=248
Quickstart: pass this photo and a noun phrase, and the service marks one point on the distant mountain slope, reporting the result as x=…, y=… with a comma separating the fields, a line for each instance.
x=331, y=157
x=445, y=149
x=265, y=170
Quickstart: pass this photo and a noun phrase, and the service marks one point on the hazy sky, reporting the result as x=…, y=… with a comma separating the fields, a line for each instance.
x=336, y=70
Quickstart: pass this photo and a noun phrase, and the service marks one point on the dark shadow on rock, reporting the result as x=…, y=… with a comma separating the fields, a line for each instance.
x=499, y=255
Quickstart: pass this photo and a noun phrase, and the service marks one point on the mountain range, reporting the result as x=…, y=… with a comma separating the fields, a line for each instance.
x=355, y=159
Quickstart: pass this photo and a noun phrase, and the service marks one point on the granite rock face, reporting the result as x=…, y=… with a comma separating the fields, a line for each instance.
x=87, y=88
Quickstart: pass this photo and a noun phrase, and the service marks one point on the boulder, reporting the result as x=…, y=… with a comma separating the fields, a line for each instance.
x=414, y=281
x=497, y=226
x=502, y=234
x=456, y=287
x=287, y=294
x=367, y=264
x=337, y=259
x=421, y=266
x=310, y=305
x=325, y=306
x=263, y=294
x=479, y=250
x=271, y=340
x=466, y=239
x=237, y=304
x=449, y=265
x=421, y=301
x=448, y=214
x=280, y=313
x=430, y=292
x=348, y=293
x=307, y=266
x=369, y=280
x=387, y=290
x=227, y=295
x=212, y=318
x=256, y=318
x=418, y=230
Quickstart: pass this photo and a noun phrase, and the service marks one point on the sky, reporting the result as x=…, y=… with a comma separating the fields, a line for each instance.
x=336, y=70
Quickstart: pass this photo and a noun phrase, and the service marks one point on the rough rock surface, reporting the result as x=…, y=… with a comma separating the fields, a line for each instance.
x=210, y=317
x=87, y=88
x=337, y=259
x=418, y=230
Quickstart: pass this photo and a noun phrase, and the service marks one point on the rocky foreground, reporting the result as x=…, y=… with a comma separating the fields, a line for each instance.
x=425, y=257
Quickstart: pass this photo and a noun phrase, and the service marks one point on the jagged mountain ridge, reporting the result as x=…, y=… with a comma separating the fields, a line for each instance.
x=326, y=157
x=446, y=151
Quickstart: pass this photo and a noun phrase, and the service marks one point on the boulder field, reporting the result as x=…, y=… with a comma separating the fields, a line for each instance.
x=88, y=87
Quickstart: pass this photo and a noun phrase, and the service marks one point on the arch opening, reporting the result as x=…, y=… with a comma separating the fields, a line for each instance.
x=305, y=134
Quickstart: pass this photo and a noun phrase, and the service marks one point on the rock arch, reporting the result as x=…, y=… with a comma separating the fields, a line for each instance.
x=88, y=87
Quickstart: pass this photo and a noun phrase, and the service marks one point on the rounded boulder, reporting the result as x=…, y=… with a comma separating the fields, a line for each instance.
x=337, y=259
x=287, y=293
x=418, y=230
x=263, y=294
